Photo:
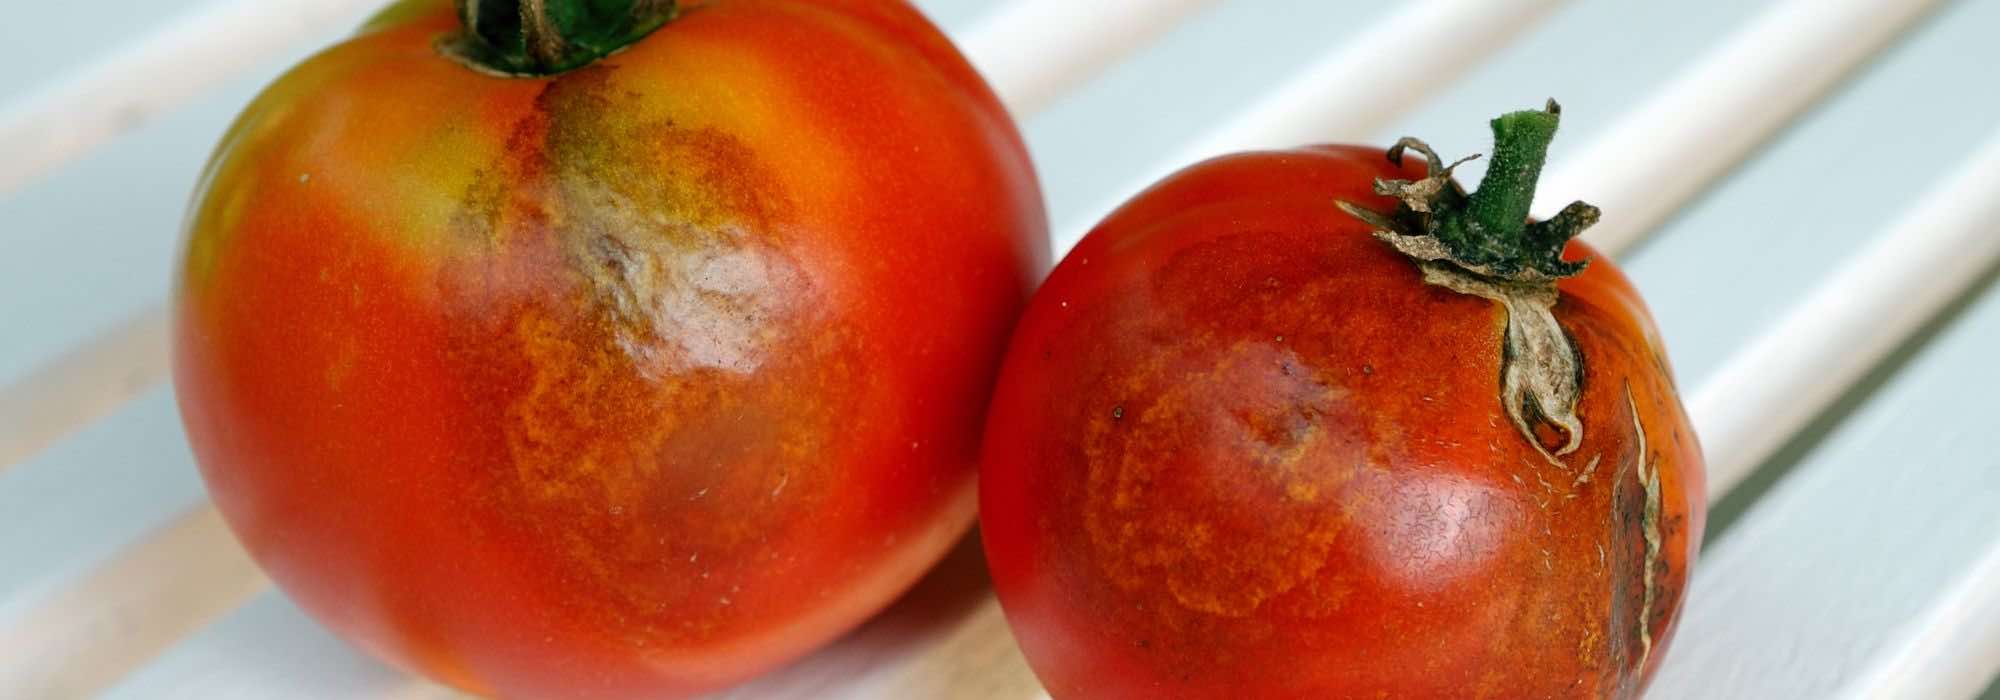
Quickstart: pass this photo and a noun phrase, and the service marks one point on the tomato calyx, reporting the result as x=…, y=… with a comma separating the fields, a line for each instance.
x=1483, y=244
x=1486, y=232
x=538, y=38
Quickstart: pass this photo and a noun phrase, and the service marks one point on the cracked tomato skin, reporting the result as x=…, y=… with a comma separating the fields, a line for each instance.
x=631, y=382
x=1240, y=449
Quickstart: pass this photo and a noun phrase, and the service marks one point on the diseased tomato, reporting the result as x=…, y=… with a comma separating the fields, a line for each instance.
x=631, y=376
x=1247, y=444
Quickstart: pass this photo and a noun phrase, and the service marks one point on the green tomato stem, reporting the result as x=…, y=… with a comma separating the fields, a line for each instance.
x=1486, y=232
x=1499, y=208
x=536, y=38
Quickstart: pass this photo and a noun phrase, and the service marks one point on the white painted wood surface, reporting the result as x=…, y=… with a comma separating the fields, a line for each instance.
x=1869, y=533
x=79, y=110
x=1716, y=112
x=1038, y=50
x=1951, y=651
x=1867, y=571
x=95, y=378
x=1941, y=246
x=1356, y=87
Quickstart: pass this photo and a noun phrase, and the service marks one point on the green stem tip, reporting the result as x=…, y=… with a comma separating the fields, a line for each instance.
x=1486, y=232
x=533, y=38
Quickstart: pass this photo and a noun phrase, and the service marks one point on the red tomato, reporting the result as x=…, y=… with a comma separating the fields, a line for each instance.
x=633, y=380
x=1242, y=448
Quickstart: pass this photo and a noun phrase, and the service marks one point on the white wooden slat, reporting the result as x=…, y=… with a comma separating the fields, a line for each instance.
x=1201, y=74
x=99, y=629
x=87, y=499
x=954, y=15
x=1803, y=593
x=1664, y=152
x=1351, y=91
x=77, y=389
x=1600, y=58
x=1738, y=258
x=240, y=658
x=1819, y=581
x=90, y=245
x=1771, y=389
x=1071, y=41
x=1354, y=89
x=947, y=638
x=76, y=112
x=1952, y=651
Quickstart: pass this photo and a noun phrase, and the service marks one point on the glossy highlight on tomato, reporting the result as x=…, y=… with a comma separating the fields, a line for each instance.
x=631, y=380
x=1264, y=433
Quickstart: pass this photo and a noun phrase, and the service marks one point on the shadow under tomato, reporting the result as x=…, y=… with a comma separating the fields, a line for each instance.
x=897, y=643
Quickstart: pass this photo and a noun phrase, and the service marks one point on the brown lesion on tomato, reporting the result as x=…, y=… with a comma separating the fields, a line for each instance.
x=1640, y=532
x=1671, y=510
x=1196, y=433
x=666, y=391
x=1648, y=474
x=1215, y=474
x=1541, y=370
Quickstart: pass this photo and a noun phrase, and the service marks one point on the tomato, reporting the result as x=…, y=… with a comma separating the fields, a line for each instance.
x=1269, y=433
x=588, y=375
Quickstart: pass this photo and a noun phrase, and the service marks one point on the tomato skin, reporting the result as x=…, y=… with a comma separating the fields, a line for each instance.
x=634, y=381
x=1240, y=449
